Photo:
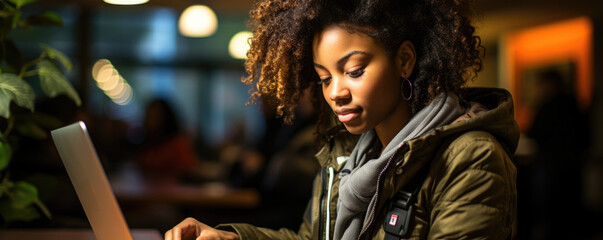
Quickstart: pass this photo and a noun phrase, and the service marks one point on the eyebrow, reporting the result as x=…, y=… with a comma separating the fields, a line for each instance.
x=342, y=59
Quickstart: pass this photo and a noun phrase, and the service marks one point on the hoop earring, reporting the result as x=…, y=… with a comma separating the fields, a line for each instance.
x=406, y=93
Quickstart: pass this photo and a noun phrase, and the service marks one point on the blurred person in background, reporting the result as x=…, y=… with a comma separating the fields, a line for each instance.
x=560, y=132
x=397, y=126
x=291, y=167
x=167, y=153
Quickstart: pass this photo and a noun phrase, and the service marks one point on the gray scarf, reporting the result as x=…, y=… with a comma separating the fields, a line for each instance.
x=359, y=177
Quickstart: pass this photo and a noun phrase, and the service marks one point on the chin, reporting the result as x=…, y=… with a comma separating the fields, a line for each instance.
x=356, y=129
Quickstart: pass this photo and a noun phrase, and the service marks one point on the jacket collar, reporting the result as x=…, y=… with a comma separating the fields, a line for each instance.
x=336, y=152
x=497, y=119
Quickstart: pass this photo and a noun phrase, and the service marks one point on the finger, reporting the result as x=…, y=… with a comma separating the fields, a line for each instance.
x=177, y=233
x=168, y=235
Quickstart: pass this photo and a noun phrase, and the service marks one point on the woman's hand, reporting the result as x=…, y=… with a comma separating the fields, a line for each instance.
x=191, y=229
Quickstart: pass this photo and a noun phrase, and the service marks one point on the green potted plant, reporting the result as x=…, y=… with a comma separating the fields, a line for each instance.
x=19, y=199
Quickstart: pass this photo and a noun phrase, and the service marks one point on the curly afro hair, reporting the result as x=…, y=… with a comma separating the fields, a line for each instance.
x=280, y=62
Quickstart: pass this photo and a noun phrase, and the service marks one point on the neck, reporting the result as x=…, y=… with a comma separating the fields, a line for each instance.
x=389, y=128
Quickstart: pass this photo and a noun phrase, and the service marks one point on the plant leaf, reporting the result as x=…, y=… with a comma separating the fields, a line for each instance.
x=8, y=69
x=23, y=194
x=6, y=13
x=21, y=3
x=43, y=208
x=55, y=83
x=16, y=18
x=5, y=154
x=12, y=214
x=47, y=185
x=13, y=88
x=45, y=121
x=58, y=56
x=21, y=203
x=32, y=130
x=5, y=185
x=43, y=19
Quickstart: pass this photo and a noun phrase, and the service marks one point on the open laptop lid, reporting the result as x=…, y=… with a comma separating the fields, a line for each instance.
x=90, y=182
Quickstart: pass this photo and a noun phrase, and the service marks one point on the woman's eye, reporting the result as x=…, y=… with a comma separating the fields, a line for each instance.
x=356, y=73
x=326, y=80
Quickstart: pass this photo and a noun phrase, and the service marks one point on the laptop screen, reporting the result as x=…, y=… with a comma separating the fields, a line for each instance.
x=90, y=182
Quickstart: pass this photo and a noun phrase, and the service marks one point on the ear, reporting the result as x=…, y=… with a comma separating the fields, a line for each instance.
x=406, y=58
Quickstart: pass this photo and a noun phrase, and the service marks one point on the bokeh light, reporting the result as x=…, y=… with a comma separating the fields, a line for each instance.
x=198, y=21
x=113, y=85
x=240, y=44
x=126, y=2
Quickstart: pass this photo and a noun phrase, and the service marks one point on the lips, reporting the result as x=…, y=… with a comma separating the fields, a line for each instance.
x=347, y=115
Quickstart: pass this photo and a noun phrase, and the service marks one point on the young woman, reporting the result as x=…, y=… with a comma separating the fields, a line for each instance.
x=391, y=72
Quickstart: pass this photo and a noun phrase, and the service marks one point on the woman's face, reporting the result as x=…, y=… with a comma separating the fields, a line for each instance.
x=360, y=81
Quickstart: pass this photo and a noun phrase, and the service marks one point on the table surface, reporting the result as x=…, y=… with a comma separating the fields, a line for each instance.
x=206, y=195
x=130, y=186
x=70, y=234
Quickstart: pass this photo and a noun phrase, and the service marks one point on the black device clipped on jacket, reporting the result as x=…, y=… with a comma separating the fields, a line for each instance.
x=397, y=219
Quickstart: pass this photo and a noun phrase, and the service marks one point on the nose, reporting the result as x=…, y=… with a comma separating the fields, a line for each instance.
x=338, y=90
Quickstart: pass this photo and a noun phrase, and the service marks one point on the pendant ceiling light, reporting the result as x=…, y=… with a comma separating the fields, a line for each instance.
x=198, y=21
x=126, y=2
x=239, y=45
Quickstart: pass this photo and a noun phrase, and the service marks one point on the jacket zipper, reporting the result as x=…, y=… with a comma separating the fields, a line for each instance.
x=372, y=212
x=321, y=204
x=328, y=202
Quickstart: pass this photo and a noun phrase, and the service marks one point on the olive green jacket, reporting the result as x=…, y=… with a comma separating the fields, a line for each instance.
x=469, y=191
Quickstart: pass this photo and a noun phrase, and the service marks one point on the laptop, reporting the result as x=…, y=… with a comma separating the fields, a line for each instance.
x=91, y=185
